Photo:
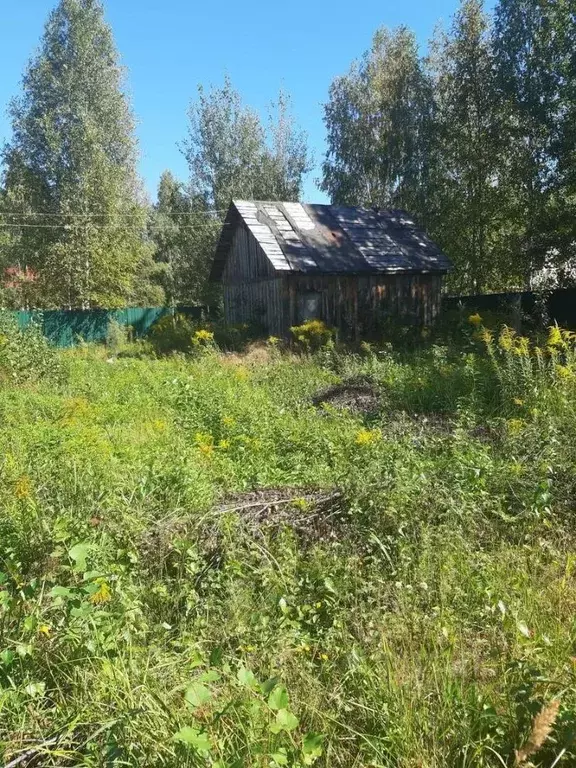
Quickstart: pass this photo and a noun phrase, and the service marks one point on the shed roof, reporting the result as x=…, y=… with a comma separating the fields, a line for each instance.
x=331, y=239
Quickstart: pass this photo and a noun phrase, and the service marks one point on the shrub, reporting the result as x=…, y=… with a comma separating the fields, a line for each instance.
x=235, y=338
x=312, y=335
x=172, y=333
x=179, y=334
x=26, y=355
x=117, y=335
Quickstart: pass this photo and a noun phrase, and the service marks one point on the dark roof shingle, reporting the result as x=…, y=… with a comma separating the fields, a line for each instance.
x=331, y=239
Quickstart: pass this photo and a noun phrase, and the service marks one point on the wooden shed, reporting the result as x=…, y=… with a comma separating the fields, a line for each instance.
x=283, y=263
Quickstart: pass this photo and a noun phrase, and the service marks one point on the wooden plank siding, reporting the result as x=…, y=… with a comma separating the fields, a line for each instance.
x=247, y=261
x=262, y=303
x=253, y=291
x=358, y=304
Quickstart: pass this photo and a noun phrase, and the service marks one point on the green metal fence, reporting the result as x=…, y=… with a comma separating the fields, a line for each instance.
x=65, y=328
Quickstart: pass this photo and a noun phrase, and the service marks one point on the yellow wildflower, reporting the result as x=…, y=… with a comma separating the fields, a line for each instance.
x=228, y=421
x=518, y=401
x=486, y=336
x=23, y=487
x=324, y=656
x=76, y=408
x=103, y=595
x=515, y=426
x=506, y=339
x=368, y=436
x=554, y=338
x=475, y=319
x=224, y=444
x=563, y=372
x=241, y=373
x=203, y=336
x=304, y=648
x=44, y=629
x=522, y=347
x=205, y=443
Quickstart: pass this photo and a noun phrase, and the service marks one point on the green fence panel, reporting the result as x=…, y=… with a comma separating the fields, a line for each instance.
x=65, y=328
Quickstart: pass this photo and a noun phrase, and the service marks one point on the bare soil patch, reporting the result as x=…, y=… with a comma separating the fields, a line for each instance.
x=359, y=396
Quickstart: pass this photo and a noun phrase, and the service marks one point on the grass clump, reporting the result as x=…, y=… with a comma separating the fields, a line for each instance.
x=268, y=559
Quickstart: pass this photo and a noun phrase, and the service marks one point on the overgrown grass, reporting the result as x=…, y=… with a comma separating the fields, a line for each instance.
x=199, y=567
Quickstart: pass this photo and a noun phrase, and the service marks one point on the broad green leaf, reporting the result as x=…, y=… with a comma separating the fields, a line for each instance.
x=193, y=738
x=78, y=555
x=278, y=699
x=216, y=655
x=197, y=694
x=90, y=575
x=247, y=677
x=24, y=649
x=211, y=676
x=312, y=747
x=61, y=592
x=269, y=685
x=329, y=584
x=280, y=758
x=7, y=657
x=285, y=721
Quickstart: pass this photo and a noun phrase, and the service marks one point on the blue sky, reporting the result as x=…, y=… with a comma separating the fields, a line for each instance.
x=169, y=46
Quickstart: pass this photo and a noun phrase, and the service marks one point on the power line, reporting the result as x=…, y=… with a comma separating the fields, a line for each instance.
x=106, y=226
x=207, y=212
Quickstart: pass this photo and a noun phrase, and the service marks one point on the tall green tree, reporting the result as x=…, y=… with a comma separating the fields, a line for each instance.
x=534, y=43
x=378, y=122
x=465, y=199
x=230, y=153
x=70, y=167
x=183, y=230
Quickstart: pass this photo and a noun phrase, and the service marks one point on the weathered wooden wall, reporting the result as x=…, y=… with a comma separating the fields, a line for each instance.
x=253, y=291
x=357, y=304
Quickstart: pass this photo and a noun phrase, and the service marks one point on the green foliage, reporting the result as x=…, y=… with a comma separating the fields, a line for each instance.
x=230, y=153
x=172, y=333
x=184, y=234
x=117, y=335
x=25, y=355
x=467, y=153
x=73, y=156
x=376, y=120
x=211, y=570
x=476, y=139
x=177, y=333
x=312, y=335
x=533, y=44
